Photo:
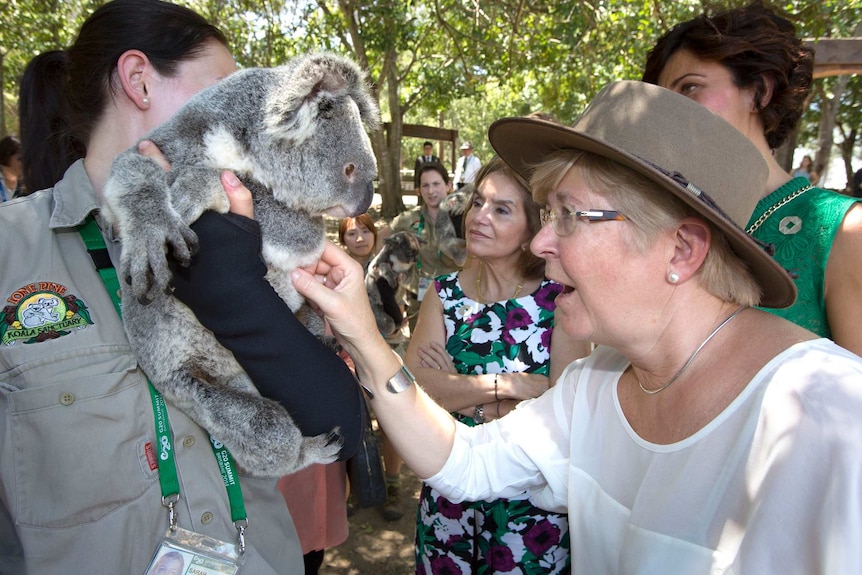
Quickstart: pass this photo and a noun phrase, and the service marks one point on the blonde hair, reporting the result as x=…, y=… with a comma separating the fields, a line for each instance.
x=650, y=211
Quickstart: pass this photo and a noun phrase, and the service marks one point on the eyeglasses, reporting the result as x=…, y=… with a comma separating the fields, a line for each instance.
x=564, y=220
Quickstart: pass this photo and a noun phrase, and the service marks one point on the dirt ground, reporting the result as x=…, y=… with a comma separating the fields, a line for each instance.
x=376, y=546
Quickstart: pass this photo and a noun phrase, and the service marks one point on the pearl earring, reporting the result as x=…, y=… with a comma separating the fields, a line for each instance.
x=145, y=101
x=673, y=277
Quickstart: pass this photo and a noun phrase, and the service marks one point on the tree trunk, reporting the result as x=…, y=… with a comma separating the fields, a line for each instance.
x=392, y=204
x=825, y=138
x=847, y=147
x=3, y=131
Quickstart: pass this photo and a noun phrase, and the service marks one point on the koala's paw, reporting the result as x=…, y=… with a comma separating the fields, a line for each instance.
x=322, y=448
x=312, y=322
x=144, y=262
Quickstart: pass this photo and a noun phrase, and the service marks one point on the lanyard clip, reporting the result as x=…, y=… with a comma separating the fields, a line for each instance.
x=170, y=501
x=241, y=526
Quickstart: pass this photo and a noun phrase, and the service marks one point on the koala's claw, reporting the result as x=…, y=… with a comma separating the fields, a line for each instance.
x=145, y=262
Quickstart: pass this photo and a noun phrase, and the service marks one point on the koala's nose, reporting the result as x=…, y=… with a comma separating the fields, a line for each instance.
x=348, y=171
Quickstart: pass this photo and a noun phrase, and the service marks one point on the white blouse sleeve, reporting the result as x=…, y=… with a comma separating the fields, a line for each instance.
x=528, y=449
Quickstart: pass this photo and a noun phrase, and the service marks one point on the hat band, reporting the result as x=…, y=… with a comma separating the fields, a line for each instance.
x=707, y=200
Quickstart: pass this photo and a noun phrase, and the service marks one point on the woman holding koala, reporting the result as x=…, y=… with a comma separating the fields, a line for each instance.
x=482, y=344
x=81, y=434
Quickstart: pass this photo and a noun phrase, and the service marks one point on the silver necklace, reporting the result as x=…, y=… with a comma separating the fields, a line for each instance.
x=783, y=201
x=694, y=355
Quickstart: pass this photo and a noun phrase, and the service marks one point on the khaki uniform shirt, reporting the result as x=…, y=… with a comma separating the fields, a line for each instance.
x=79, y=487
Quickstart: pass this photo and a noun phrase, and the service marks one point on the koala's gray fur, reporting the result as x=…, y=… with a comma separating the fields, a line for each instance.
x=395, y=264
x=457, y=202
x=296, y=135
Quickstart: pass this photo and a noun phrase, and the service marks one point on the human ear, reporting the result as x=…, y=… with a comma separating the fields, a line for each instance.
x=691, y=244
x=132, y=67
x=761, y=92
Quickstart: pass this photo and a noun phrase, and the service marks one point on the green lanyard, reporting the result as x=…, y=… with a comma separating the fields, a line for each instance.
x=419, y=235
x=92, y=236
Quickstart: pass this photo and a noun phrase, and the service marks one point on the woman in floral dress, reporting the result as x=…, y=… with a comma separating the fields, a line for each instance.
x=482, y=344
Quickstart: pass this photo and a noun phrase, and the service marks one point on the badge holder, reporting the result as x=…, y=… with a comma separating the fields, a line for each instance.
x=424, y=284
x=186, y=552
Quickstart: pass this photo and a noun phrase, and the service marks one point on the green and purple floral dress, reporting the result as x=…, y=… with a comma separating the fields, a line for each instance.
x=505, y=535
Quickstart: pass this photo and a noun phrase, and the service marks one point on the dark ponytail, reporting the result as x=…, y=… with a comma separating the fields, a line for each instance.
x=47, y=148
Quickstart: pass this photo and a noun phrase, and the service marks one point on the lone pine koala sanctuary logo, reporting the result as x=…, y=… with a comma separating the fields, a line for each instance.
x=41, y=311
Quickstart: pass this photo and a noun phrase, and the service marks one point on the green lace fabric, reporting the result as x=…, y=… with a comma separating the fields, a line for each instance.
x=802, y=231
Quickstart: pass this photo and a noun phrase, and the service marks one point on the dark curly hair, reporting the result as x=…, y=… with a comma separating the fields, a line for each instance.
x=756, y=45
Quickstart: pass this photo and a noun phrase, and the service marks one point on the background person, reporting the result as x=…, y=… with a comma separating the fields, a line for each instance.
x=483, y=344
x=10, y=168
x=806, y=166
x=467, y=166
x=316, y=498
x=358, y=235
x=441, y=251
x=698, y=424
x=73, y=405
x=748, y=66
x=426, y=158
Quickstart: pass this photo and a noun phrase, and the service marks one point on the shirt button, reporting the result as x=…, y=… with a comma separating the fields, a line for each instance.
x=206, y=518
x=188, y=441
x=67, y=398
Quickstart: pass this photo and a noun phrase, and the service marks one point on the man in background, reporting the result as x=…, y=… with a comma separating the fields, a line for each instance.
x=467, y=167
x=425, y=158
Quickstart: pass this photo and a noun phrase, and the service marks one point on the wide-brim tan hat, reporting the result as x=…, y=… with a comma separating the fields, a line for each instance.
x=674, y=142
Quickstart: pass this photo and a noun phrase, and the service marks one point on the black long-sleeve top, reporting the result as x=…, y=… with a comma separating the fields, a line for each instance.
x=225, y=287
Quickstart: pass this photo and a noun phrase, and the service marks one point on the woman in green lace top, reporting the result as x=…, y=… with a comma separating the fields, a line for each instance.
x=748, y=66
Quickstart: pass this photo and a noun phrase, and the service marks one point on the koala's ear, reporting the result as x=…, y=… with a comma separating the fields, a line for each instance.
x=307, y=89
x=339, y=76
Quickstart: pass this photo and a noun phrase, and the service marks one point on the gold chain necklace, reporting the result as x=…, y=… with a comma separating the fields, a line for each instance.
x=479, y=285
x=783, y=201
x=691, y=358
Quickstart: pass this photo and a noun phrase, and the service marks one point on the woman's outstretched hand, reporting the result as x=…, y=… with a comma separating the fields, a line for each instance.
x=336, y=288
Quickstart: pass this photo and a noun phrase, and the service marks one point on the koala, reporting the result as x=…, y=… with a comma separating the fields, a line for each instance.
x=389, y=273
x=295, y=135
x=457, y=204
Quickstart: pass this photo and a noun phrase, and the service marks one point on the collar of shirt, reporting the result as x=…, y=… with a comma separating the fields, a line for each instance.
x=74, y=198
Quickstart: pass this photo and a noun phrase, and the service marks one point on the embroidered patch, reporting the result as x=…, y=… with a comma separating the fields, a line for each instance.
x=42, y=311
x=790, y=225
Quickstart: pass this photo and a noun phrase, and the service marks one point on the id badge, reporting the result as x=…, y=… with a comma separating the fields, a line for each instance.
x=424, y=284
x=184, y=552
